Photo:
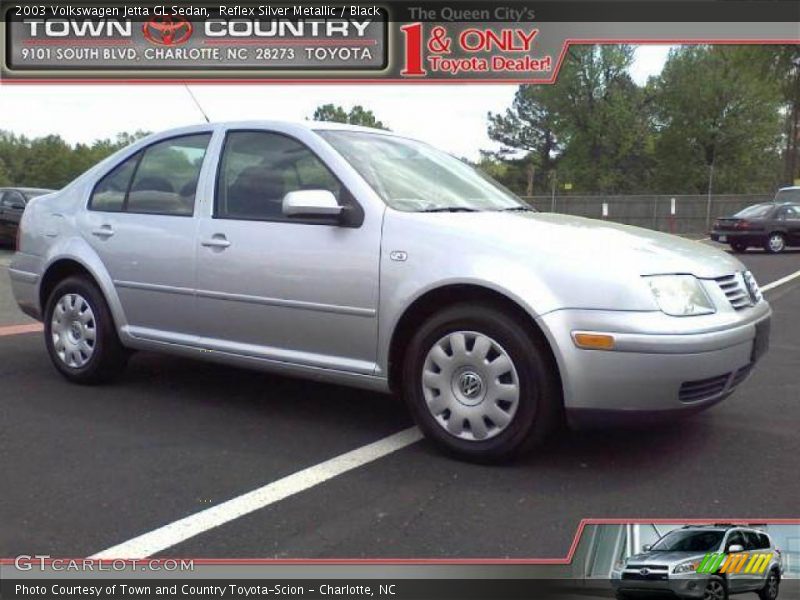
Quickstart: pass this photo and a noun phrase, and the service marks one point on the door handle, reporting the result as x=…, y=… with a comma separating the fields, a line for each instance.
x=104, y=231
x=217, y=241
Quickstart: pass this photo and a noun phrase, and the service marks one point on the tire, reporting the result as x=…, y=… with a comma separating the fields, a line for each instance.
x=497, y=423
x=716, y=589
x=738, y=247
x=775, y=243
x=76, y=312
x=770, y=592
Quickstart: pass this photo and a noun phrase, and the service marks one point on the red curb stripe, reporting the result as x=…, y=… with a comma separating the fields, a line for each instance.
x=19, y=329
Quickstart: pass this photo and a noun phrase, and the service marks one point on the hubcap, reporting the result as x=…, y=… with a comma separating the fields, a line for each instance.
x=776, y=243
x=714, y=591
x=470, y=385
x=73, y=330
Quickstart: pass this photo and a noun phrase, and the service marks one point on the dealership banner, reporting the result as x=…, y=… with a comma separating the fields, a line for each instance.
x=354, y=42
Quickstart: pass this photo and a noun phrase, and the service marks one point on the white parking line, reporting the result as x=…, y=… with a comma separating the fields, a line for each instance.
x=781, y=281
x=178, y=531
x=159, y=539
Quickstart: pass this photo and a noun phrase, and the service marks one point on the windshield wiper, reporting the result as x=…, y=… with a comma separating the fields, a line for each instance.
x=448, y=209
x=518, y=209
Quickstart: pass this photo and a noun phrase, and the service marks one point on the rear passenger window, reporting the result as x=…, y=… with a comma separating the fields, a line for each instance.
x=258, y=169
x=109, y=193
x=160, y=180
x=166, y=179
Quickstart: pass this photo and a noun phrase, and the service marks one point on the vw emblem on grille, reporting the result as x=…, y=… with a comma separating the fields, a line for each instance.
x=644, y=571
x=470, y=384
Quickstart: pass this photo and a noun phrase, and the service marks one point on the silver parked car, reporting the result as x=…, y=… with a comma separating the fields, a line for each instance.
x=360, y=257
x=691, y=563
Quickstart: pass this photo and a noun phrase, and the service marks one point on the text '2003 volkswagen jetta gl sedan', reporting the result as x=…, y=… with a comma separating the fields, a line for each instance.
x=360, y=257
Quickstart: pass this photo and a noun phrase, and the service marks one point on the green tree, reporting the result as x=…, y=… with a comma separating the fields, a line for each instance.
x=358, y=115
x=591, y=126
x=718, y=121
x=50, y=161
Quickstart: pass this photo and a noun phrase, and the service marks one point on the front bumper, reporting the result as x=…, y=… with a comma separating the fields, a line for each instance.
x=688, y=585
x=661, y=366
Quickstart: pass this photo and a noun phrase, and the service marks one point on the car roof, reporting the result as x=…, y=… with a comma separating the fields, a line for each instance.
x=789, y=187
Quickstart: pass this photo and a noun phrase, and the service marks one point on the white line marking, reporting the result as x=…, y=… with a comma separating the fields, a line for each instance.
x=181, y=530
x=781, y=281
x=178, y=531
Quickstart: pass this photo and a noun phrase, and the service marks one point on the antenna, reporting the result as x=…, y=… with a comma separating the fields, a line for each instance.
x=196, y=103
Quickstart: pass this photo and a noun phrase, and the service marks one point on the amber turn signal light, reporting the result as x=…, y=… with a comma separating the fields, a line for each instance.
x=594, y=341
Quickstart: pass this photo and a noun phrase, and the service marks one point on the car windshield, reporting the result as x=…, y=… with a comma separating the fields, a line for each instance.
x=790, y=195
x=689, y=541
x=758, y=210
x=413, y=176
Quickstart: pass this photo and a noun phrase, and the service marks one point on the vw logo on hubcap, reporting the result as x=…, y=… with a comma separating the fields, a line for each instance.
x=470, y=384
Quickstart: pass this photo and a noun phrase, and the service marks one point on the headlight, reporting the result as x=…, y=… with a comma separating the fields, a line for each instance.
x=680, y=295
x=686, y=567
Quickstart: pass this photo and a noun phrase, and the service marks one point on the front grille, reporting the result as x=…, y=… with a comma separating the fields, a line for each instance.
x=636, y=576
x=735, y=289
x=651, y=567
x=691, y=391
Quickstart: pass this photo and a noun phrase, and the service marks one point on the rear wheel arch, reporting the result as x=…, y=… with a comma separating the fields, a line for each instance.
x=65, y=267
x=443, y=297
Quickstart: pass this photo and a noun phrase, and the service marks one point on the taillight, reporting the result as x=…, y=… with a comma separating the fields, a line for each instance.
x=743, y=225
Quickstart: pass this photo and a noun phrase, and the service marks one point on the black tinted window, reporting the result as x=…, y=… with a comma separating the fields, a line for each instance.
x=109, y=193
x=736, y=538
x=166, y=178
x=12, y=199
x=258, y=169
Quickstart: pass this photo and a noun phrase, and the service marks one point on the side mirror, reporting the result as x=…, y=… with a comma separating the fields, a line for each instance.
x=735, y=548
x=646, y=548
x=311, y=203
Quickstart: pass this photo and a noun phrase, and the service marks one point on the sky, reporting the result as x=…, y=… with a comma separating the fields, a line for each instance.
x=451, y=117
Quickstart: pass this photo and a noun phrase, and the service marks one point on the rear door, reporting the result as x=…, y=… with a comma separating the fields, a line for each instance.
x=141, y=223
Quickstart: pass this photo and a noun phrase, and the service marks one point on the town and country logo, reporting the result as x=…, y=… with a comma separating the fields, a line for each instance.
x=167, y=31
x=739, y=562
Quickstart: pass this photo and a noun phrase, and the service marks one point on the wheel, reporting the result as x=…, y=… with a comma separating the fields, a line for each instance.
x=775, y=243
x=480, y=384
x=80, y=334
x=771, y=586
x=715, y=589
x=738, y=247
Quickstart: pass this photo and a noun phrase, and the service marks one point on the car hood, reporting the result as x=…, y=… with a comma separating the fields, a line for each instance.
x=593, y=242
x=663, y=558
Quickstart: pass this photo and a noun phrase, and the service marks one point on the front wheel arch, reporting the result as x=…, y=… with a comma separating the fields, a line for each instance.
x=443, y=297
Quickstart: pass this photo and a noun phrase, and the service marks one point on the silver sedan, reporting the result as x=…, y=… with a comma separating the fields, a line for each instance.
x=363, y=258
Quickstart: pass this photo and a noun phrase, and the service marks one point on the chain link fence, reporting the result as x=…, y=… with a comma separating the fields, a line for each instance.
x=692, y=212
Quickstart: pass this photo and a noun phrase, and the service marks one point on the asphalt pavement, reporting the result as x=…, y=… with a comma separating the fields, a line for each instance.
x=87, y=468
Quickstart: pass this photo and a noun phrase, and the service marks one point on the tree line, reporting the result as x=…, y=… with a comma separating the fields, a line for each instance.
x=718, y=118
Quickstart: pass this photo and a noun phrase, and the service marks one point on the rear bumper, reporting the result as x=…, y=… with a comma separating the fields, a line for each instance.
x=745, y=237
x=650, y=375
x=24, y=275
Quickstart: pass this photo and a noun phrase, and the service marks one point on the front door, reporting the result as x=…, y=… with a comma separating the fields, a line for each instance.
x=141, y=223
x=301, y=291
